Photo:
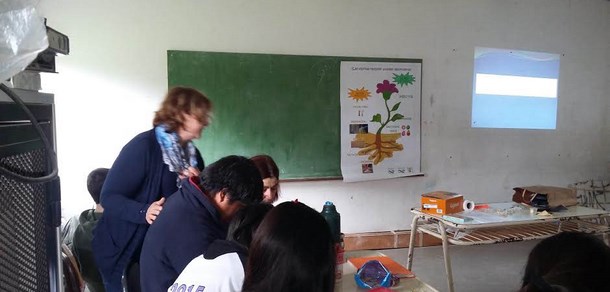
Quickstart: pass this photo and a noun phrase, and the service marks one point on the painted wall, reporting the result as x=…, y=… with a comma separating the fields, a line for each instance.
x=116, y=74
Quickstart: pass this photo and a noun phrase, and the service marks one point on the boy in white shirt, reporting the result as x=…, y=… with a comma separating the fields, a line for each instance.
x=221, y=267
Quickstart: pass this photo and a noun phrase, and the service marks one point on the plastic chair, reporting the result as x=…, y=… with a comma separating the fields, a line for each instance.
x=72, y=277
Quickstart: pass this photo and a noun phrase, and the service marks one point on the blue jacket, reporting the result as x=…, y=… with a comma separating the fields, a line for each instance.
x=188, y=224
x=137, y=178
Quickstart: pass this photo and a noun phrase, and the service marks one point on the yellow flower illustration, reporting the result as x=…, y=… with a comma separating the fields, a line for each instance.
x=359, y=94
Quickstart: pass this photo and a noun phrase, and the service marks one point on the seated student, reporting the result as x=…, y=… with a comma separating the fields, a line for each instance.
x=568, y=261
x=271, y=177
x=221, y=267
x=193, y=217
x=83, y=234
x=292, y=250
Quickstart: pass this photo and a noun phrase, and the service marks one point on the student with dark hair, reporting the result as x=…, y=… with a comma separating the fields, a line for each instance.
x=95, y=181
x=568, y=261
x=271, y=177
x=292, y=251
x=195, y=216
x=221, y=267
x=147, y=170
x=83, y=234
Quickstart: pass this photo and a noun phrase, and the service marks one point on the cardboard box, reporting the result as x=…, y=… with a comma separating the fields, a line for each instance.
x=441, y=203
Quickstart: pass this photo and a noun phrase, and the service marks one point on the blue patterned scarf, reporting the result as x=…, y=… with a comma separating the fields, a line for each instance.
x=173, y=153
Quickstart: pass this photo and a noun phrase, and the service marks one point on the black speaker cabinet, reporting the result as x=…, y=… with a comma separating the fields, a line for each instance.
x=29, y=212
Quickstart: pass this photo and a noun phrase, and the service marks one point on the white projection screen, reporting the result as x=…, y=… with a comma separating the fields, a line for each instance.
x=514, y=89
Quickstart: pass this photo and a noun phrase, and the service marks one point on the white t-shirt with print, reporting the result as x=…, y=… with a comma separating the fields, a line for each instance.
x=224, y=273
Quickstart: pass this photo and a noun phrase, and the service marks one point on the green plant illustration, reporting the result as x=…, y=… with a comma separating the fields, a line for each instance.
x=380, y=146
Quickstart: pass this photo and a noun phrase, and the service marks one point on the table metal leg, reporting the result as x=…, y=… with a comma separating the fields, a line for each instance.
x=412, y=242
x=441, y=227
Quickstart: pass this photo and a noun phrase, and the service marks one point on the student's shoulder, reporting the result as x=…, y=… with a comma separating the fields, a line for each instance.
x=220, y=247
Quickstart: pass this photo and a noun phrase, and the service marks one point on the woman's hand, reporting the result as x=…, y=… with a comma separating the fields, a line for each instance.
x=154, y=210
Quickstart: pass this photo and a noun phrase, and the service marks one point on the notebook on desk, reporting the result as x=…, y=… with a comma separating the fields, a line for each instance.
x=392, y=266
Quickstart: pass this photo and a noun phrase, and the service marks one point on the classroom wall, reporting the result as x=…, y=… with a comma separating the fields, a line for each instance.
x=116, y=74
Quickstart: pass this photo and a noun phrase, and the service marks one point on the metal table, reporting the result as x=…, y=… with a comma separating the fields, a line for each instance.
x=503, y=222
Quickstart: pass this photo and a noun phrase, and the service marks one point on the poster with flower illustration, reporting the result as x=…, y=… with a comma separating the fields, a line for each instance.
x=380, y=120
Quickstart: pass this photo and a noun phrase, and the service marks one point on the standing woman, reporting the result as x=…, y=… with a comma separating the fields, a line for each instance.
x=148, y=169
x=271, y=177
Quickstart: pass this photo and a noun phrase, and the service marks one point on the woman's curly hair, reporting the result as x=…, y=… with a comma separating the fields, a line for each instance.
x=182, y=100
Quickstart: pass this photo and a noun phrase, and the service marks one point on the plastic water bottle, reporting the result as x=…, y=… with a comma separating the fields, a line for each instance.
x=333, y=218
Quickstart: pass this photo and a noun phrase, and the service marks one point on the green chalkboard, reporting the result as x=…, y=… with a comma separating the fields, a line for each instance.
x=286, y=106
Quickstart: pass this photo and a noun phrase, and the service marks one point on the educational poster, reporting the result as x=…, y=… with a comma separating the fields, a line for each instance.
x=380, y=120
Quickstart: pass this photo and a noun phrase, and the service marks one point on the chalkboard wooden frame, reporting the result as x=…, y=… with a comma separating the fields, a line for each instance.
x=286, y=106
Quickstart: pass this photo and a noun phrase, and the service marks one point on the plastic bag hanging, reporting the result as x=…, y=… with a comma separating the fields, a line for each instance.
x=23, y=35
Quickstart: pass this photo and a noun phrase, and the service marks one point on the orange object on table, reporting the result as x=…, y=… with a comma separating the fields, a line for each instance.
x=481, y=206
x=441, y=203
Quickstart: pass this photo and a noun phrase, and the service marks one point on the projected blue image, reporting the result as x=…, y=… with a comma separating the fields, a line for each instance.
x=515, y=112
x=514, y=89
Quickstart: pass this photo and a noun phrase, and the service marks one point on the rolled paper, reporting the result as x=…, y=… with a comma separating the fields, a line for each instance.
x=468, y=205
